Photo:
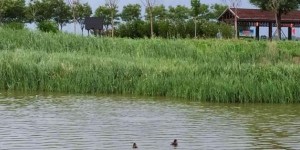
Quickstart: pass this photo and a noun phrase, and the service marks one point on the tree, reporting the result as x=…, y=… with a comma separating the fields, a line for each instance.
x=179, y=13
x=12, y=10
x=178, y=16
x=131, y=12
x=82, y=11
x=47, y=26
x=204, y=12
x=113, y=8
x=39, y=10
x=278, y=7
x=195, y=13
x=149, y=4
x=61, y=13
x=234, y=4
x=73, y=4
x=158, y=13
x=216, y=10
x=31, y=10
x=2, y=10
x=45, y=10
x=104, y=12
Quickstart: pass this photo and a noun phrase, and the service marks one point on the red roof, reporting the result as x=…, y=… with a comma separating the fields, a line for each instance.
x=260, y=15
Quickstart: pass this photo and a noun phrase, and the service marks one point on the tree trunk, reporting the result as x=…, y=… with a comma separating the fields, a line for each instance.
x=1, y=7
x=235, y=24
x=61, y=26
x=278, y=23
x=106, y=29
x=195, y=22
x=74, y=19
x=235, y=28
x=112, y=24
x=151, y=22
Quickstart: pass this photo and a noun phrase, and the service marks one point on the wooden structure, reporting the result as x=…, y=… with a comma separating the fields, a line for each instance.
x=94, y=23
x=260, y=18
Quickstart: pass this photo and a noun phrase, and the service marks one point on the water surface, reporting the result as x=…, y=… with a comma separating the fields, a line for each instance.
x=115, y=122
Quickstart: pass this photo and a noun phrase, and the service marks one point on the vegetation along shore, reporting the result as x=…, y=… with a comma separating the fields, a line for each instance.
x=203, y=70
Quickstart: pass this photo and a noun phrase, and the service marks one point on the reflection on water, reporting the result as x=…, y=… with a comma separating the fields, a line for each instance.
x=108, y=122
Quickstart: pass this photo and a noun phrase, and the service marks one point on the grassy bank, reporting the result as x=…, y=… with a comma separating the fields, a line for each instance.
x=206, y=70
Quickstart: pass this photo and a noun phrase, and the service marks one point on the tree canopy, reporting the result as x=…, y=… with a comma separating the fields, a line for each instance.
x=173, y=21
x=131, y=12
x=105, y=12
x=12, y=10
x=279, y=6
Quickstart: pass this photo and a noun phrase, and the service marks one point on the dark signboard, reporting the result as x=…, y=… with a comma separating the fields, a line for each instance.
x=95, y=23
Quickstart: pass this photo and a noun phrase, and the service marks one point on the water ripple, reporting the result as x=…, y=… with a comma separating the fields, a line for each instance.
x=114, y=123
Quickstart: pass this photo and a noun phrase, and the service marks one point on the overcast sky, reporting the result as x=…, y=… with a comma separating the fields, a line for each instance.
x=97, y=3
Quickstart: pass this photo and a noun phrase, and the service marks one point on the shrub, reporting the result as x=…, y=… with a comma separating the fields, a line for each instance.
x=14, y=25
x=48, y=26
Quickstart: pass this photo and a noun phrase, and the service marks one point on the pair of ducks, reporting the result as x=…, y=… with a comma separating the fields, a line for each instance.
x=174, y=143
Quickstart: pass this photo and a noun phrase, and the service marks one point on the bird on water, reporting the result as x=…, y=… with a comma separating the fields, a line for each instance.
x=134, y=146
x=174, y=143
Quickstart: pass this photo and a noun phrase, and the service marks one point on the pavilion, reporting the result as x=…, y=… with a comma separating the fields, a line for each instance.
x=259, y=18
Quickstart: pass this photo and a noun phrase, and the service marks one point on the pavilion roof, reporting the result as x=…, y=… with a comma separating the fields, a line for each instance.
x=258, y=15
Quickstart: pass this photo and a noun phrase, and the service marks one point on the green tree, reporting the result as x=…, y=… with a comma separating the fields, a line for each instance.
x=104, y=11
x=149, y=4
x=2, y=10
x=178, y=16
x=82, y=11
x=160, y=12
x=112, y=5
x=131, y=12
x=196, y=8
x=216, y=10
x=61, y=13
x=39, y=10
x=132, y=29
x=56, y=10
x=179, y=12
x=32, y=10
x=47, y=26
x=73, y=4
x=12, y=10
x=278, y=7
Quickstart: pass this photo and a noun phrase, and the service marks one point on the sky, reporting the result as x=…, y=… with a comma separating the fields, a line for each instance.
x=96, y=3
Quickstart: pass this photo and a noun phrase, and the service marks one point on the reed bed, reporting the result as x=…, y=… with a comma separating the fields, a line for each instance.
x=225, y=71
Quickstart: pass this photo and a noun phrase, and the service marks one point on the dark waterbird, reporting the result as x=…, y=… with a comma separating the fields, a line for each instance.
x=134, y=146
x=174, y=143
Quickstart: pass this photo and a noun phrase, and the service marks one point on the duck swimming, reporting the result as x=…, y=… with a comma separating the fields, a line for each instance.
x=174, y=143
x=134, y=146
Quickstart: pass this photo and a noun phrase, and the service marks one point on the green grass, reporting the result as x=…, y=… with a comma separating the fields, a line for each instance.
x=230, y=71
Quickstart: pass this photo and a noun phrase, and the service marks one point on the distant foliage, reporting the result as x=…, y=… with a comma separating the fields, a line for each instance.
x=169, y=29
x=48, y=26
x=197, y=20
x=14, y=25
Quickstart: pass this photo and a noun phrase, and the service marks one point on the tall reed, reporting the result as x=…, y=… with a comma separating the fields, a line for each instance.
x=228, y=71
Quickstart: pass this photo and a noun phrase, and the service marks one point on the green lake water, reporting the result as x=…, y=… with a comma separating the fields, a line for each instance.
x=115, y=122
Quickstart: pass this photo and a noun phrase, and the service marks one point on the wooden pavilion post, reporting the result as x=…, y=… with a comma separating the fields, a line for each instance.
x=290, y=32
x=257, y=31
x=270, y=31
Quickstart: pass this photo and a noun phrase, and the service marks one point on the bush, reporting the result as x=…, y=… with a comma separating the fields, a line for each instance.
x=48, y=26
x=177, y=29
x=14, y=25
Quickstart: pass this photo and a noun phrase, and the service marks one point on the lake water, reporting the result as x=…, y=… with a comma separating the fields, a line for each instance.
x=115, y=122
